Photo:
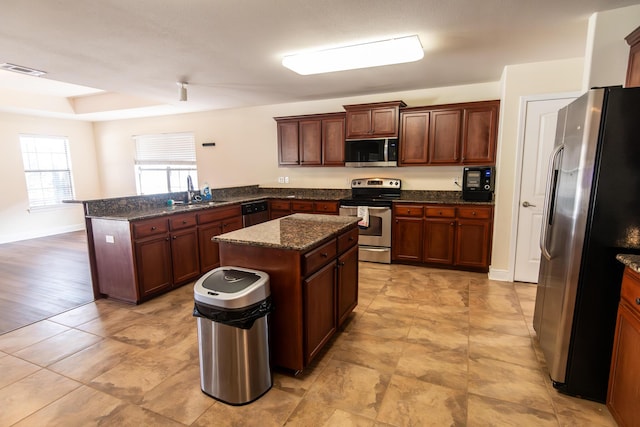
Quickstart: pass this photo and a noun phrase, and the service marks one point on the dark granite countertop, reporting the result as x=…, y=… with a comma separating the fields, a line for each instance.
x=296, y=232
x=144, y=207
x=631, y=261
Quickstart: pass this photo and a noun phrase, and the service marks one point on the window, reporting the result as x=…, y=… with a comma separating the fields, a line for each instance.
x=164, y=161
x=47, y=169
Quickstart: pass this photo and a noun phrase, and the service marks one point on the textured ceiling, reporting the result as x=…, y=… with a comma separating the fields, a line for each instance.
x=230, y=50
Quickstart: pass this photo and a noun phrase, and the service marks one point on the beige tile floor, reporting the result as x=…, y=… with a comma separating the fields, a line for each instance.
x=424, y=347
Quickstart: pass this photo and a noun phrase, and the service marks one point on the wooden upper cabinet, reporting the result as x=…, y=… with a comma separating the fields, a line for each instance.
x=479, y=134
x=288, y=148
x=633, y=68
x=312, y=140
x=453, y=134
x=444, y=136
x=333, y=140
x=414, y=134
x=378, y=120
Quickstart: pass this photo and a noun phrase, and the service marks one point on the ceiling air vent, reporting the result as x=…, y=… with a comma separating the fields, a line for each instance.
x=22, y=70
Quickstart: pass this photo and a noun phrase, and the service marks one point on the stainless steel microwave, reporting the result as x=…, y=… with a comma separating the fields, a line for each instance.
x=376, y=152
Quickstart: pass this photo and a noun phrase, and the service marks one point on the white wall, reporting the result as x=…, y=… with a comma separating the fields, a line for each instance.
x=17, y=222
x=517, y=81
x=246, y=144
x=607, y=52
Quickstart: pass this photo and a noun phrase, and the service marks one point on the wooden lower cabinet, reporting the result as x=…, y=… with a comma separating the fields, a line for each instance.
x=313, y=293
x=185, y=255
x=472, y=243
x=319, y=301
x=211, y=224
x=442, y=235
x=347, y=284
x=281, y=207
x=439, y=241
x=624, y=378
x=153, y=261
x=406, y=232
x=137, y=260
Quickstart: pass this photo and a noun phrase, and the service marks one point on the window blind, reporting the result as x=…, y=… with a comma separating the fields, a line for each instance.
x=166, y=148
x=47, y=169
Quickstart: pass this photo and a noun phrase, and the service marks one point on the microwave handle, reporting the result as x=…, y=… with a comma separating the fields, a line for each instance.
x=386, y=150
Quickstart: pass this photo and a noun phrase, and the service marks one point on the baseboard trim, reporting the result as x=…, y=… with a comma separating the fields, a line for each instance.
x=500, y=275
x=41, y=233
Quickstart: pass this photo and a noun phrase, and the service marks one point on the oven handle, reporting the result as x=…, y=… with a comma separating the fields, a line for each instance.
x=370, y=249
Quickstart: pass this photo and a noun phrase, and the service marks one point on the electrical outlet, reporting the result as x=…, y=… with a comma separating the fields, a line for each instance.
x=281, y=180
x=286, y=179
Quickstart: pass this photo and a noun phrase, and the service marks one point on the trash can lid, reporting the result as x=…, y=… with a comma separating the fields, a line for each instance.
x=232, y=287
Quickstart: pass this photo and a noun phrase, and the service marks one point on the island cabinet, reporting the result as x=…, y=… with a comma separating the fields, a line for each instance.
x=624, y=378
x=377, y=120
x=312, y=140
x=633, y=67
x=214, y=222
x=454, y=134
x=454, y=236
x=313, y=290
x=283, y=207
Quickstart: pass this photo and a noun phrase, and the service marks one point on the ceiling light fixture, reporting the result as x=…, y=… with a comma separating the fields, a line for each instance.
x=183, y=90
x=22, y=70
x=374, y=54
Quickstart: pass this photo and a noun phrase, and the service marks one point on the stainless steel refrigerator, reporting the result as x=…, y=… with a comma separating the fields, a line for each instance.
x=591, y=213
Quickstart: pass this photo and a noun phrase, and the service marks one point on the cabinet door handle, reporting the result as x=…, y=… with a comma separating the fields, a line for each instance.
x=154, y=228
x=473, y=213
x=166, y=238
x=324, y=254
x=340, y=264
x=638, y=300
x=452, y=224
x=351, y=239
x=184, y=221
x=175, y=237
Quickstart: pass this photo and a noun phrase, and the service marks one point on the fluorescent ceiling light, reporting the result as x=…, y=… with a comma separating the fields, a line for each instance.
x=22, y=70
x=374, y=54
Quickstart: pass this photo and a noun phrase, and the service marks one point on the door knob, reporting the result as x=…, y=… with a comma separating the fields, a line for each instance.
x=527, y=205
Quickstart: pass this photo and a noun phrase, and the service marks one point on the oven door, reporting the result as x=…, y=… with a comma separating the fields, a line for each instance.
x=378, y=233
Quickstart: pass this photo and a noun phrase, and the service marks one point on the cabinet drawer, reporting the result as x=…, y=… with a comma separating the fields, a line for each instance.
x=217, y=214
x=150, y=227
x=440, y=212
x=318, y=257
x=348, y=239
x=178, y=222
x=327, y=207
x=630, y=291
x=280, y=205
x=408, y=210
x=301, y=206
x=474, y=212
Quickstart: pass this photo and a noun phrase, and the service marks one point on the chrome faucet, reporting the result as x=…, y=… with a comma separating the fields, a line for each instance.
x=190, y=189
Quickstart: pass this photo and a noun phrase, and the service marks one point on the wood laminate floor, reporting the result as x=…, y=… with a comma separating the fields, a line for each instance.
x=424, y=347
x=42, y=277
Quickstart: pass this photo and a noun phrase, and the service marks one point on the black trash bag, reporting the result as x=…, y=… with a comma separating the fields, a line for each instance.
x=242, y=318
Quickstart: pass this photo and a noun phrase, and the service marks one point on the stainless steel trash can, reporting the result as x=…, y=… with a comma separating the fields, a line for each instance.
x=232, y=307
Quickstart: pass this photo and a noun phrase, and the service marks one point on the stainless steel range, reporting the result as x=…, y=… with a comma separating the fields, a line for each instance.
x=371, y=199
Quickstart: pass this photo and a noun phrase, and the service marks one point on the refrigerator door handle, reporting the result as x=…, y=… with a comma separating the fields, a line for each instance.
x=549, y=195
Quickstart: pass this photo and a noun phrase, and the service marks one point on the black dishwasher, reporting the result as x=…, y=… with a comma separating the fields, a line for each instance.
x=254, y=213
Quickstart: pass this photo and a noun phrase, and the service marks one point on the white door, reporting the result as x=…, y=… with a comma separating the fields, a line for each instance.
x=538, y=140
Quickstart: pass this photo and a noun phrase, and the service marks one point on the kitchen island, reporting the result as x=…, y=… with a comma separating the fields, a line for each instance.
x=312, y=262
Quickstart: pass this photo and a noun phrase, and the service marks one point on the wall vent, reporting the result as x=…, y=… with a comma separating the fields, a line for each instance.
x=22, y=70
